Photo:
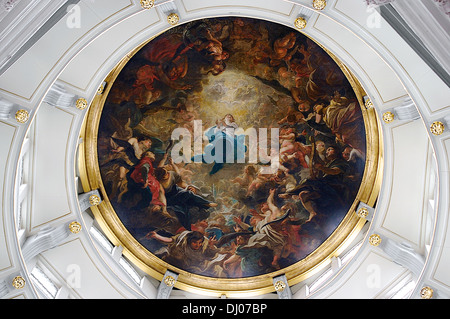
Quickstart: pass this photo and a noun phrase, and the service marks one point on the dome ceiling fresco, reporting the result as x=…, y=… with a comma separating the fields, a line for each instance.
x=230, y=148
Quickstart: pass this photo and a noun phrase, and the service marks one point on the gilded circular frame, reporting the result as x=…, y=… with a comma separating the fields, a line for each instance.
x=242, y=287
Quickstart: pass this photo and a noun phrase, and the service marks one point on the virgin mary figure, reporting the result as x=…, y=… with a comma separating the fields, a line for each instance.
x=224, y=145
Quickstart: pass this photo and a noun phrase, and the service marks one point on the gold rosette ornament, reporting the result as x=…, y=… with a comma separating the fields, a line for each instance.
x=147, y=4
x=319, y=4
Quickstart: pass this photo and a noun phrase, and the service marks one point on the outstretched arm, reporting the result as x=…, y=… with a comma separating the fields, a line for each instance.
x=273, y=208
x=240, y=223
x=157, y=236
x=329, y=170
x=163, y=161
x=175, y=167
x=231, y=260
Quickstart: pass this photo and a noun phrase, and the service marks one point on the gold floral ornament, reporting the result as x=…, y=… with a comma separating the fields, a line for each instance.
x=173, y=18
x=319, y=4
x=81, y=104
x=426, y=293
x=279, y=286
x=169, y=281
x=300, y=23
x=94, y=200
x=18, y=282
x=75, y=227
x=363, y=212
x=388, y=117
x=101, y=89
x=437, y=128
x=22, y=116
x=147, y=4
x=375, y=240
x=368, y=104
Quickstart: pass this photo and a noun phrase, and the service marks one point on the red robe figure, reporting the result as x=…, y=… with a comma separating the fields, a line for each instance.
x=143, y=174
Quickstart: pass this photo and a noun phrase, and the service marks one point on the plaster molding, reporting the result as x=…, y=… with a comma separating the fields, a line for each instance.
x=404, y=255
x=58, y=96
x=166, y=285
x=407, y=111
x=365, y=211
x=46, y=239
x=4, y=289
x=282, y=287
x=84, y=199
x=428, y=26
x=444, y=5
x=8, y=5
x=24, y=26
x=376, y=3
x=6, y=108
x=302, y=293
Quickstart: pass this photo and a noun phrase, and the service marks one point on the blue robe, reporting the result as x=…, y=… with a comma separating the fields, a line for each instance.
x=216, y=150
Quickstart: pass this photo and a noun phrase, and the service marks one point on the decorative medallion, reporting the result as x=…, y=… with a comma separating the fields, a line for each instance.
x=169, y=281
x=363, y=212
x=75, y=227
x=173, y=18
x=81, y=104
x=22, y=116
x=18, y=282
x=375, y=240
x=300, y=23
x=279, y=286
x=426, y=293
x=368, y=104
x=147, y=4
x=388, y=117
x=437, y=128
x=101, y=89
x=94, y=200
x=206, y=143
x=319, y=4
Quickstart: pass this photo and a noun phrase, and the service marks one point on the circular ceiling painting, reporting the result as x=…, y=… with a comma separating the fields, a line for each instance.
x=229, y=148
